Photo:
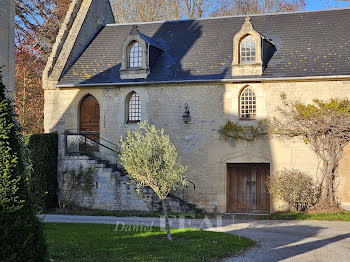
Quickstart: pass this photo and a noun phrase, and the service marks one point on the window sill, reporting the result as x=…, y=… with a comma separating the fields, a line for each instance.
x=134, y=73
x=247, y=119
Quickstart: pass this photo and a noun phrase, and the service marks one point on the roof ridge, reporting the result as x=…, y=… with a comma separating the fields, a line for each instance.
x=232, y=16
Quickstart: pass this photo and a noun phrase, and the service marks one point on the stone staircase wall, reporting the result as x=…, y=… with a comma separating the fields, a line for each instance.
x=113, y=191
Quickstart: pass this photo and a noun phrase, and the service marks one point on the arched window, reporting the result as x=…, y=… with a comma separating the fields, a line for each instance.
x=135, y=55
x=133, y=108
x=247, y=104
x=247, y=50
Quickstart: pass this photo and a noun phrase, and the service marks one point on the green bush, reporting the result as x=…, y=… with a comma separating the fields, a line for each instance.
x=43, y=181
x=21, y=235
x=294, y=187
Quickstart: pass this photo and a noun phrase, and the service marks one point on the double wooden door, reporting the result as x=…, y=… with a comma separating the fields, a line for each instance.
x=246, y=188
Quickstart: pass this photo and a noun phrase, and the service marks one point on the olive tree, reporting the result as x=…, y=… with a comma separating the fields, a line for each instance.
x=150, y=159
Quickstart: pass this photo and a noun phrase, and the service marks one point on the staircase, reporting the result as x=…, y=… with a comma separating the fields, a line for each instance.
x=112, y=189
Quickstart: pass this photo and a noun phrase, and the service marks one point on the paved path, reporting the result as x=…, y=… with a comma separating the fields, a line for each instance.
x=304, y=241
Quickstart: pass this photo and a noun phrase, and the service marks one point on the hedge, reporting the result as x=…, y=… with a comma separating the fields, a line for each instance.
x=43, y=155
x=21, y=232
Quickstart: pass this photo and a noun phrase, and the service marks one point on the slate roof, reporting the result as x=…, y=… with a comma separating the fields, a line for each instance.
x=308, y=44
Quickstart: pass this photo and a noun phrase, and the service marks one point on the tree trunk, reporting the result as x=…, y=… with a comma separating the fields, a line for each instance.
x=165, y=210
x=328, y=199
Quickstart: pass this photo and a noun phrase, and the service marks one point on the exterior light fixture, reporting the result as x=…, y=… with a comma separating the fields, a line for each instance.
x=186, y=116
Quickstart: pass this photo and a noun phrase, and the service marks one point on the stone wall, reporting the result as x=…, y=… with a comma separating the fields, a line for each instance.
x=113, y=190
x=211, y=105
x=7, y=43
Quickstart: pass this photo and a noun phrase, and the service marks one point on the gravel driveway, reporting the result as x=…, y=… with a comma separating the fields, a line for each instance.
x=277, y=240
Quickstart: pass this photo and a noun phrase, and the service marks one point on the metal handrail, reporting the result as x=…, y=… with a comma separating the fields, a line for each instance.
x=194, y=186
x=76, y=132
x=94, y=141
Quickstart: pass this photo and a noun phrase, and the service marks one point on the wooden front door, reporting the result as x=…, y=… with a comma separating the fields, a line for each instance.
x=246, y=188
x=90, y=118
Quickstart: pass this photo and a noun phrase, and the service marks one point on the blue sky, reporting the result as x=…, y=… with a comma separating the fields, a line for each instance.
x=325, y=4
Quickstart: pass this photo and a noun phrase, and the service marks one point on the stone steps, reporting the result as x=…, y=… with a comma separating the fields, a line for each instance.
x=113, y=190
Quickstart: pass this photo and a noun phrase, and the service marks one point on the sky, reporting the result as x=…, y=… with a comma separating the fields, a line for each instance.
x=325, y=4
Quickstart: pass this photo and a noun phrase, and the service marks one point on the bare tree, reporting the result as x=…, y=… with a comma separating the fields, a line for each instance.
x=126, y=11
x=244, y=7
x=37, y=24
x=325, y=127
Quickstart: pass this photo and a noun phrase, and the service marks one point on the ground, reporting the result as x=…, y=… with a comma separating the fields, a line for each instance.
x=68, y=242
x=277, y=240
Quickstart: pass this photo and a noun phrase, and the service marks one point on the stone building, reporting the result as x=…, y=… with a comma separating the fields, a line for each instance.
x=103, y=78
x=7, y=42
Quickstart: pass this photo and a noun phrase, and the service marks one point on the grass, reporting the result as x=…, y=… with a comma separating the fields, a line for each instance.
x=340, y=215
x=97, y=242
x=97, y=212
x=330, y=216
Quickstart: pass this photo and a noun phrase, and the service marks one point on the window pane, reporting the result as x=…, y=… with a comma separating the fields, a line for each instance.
x=134, y=108
x=135, y=55
x=248, y=104
x=247, y=50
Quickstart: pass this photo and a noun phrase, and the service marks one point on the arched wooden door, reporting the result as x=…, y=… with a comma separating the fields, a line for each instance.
x=90, y=118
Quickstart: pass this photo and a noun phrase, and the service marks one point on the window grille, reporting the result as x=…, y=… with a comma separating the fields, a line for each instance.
x=134, y=108
x=135, y=55
x=247, y=104
x=247, y=51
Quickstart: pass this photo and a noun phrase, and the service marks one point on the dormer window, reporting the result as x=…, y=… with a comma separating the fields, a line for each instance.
x=248, y=56
x=135, y=55
x=247, y=50
x=139, y=53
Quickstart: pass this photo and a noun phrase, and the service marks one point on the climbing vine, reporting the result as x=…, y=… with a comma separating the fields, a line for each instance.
x=234, y=131
x=76, y=181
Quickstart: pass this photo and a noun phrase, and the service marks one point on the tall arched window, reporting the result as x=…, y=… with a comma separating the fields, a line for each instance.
x=247, y=50
x=247, y=104
x=135, y=55
x=133, y=108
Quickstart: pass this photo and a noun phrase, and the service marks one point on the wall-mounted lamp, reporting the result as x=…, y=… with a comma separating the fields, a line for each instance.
x=186, y=116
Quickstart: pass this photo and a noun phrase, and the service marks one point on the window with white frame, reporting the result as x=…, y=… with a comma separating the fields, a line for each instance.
x=247, y=104
x=135, y=55
x=247, y=50
x=133, y=108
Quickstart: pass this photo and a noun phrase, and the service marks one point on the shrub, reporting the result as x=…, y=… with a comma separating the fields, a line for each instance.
x=43, y=182
x=294, y=187
x=76, y=181
x=21, y=235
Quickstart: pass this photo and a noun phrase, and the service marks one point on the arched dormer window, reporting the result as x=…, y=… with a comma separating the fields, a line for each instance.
x=135, y=54
x=247, y=104
x=133, y=108
x=247, y=50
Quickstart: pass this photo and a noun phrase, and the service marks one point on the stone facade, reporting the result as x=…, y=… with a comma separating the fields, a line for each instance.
x=211, y=104
x=7, y=43
x=197, y=142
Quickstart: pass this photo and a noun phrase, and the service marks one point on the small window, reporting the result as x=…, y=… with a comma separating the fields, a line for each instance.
x=247, y=50
x=135, y=55
x=247, y=104
x=133, y=108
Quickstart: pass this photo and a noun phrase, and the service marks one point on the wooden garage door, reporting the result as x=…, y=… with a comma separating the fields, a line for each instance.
x=246, y=188
x=90, y=117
